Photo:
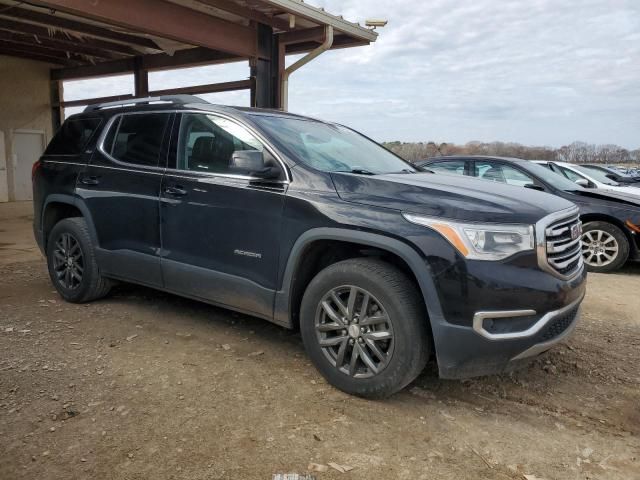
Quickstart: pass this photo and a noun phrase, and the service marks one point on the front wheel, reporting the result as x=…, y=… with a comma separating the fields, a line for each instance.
x=364, y=326
x=604, y=246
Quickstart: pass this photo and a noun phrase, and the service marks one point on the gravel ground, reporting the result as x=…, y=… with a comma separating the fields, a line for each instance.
x=148, y=385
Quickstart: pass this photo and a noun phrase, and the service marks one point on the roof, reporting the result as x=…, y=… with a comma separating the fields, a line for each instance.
x=73, y=33
x=179, y=103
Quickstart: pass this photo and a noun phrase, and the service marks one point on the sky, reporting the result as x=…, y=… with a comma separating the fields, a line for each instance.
x=536, y=72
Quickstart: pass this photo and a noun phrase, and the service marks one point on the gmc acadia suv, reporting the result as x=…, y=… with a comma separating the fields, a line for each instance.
x=310, y=225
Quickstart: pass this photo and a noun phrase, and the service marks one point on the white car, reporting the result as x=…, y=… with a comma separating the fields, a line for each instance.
x=588, y=178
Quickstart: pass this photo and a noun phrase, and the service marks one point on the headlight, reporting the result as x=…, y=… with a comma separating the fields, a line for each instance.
x=480, y=241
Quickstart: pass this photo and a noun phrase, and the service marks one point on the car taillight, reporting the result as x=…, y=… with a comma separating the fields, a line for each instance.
x=35, y=168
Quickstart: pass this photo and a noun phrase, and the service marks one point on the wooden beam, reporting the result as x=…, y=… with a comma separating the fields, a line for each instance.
x=140, y=79
x=315, y=34
x=52, y=20
x=194, y=90
x=28, y=41
x=201, y=89
x=341, y=41
x=11, y=26
x=249, y=13
x=92, y=101
x=189, y=57
x=57, y=113
x=30, y=54
x=167, y=20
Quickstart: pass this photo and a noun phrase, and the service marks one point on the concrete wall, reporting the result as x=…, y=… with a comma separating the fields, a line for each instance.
x=24, y=105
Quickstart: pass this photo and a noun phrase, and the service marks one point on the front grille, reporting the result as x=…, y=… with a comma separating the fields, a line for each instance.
x=564, y=246
x=558, y=325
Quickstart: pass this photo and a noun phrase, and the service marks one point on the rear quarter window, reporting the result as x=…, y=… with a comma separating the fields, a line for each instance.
x=73, y=136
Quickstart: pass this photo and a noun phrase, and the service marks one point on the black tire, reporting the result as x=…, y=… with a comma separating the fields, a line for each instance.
x=403, y=305
x=92, y=284
x=590, y=231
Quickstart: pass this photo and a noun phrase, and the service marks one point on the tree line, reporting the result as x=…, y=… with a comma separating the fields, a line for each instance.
x=577, y=152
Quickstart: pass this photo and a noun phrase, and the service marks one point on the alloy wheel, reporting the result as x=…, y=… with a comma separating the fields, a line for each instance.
x=68, y=261
x=599, y=248
x=354, y=331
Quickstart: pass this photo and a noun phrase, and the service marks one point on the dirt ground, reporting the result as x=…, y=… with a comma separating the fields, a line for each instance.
x=146, y=385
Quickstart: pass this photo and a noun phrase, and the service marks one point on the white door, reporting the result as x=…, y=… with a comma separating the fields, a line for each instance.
x=27, y=147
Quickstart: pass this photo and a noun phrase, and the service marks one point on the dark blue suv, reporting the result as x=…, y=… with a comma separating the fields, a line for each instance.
x=310, y=225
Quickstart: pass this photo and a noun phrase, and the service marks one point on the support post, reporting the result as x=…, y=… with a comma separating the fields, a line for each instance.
x=140, y=79
x=265, y=70
x=56, y=96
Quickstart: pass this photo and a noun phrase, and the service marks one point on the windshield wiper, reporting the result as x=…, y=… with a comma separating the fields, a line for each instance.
x=360, y=171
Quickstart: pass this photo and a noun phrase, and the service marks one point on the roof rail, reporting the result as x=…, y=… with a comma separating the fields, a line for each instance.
x=175, y=99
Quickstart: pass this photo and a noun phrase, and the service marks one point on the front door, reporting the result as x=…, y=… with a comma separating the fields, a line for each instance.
x=220, y=228
x=121, y=188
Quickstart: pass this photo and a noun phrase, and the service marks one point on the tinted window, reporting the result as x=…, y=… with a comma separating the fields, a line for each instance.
x=499, y=172
x=207, y=143
x=73, y=136
x=452, y=168
x=137, y=138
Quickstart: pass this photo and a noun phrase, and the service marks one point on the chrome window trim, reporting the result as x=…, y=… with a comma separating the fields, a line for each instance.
x=258, y=135
x=480, y=317
x=541, y=242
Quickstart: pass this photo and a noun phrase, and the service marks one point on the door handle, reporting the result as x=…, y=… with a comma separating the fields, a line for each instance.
x=92, y=180
x=176, y=191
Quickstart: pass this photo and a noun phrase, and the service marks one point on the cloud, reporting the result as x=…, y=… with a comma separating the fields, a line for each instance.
x=532, y=71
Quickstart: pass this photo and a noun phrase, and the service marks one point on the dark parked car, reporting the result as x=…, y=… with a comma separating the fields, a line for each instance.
x=309, y=225
x=611, y=220
x=615, y=175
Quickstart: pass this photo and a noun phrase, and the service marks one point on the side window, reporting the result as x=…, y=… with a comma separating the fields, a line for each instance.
x=73, y=136
x=452, y=168
x=206, y=143
x=571, y=175
x=499, y=172
x=137, y=138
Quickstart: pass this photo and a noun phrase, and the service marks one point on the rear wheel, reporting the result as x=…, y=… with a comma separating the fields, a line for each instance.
x=604, y=246
x=364, y=326
x=72, y=263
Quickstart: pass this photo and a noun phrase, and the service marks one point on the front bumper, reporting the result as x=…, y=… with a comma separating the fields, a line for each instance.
x=499, y=340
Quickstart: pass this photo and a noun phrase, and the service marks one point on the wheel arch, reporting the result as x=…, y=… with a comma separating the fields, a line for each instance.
x=300, y=268
x=599, y=217
x=58, y=207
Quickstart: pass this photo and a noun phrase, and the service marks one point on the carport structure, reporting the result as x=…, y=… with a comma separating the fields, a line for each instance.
x=78, y=39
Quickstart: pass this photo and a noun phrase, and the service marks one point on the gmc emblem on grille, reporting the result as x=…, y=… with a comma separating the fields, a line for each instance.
x=576, y=231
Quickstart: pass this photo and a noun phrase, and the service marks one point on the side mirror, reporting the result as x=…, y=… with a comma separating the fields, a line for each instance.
x=583, y=183
x=251, y=162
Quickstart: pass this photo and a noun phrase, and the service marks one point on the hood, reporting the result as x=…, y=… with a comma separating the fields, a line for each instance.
x=624, y=189
x=449, y=196
x=609, y=196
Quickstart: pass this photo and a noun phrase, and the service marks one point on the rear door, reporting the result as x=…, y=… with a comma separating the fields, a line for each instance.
x=220, y=228
x=121, y=188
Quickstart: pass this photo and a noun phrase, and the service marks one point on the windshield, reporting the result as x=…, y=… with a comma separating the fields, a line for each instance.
x=554, y=179
x=598, y=175
x=331, y=148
